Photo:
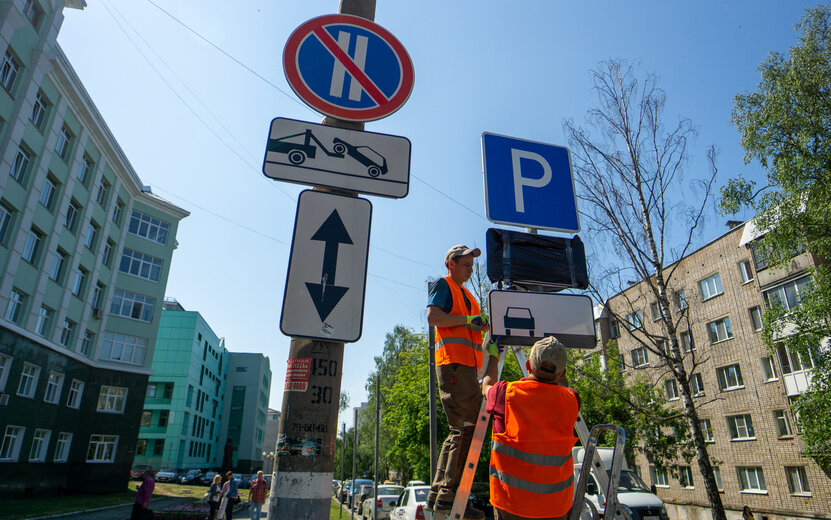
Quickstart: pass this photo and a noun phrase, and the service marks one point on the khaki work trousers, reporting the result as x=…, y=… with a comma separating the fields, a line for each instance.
x=461, y=397
x=499, y=514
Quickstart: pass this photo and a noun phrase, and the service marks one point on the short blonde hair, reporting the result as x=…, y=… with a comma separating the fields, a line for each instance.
x=217, y=478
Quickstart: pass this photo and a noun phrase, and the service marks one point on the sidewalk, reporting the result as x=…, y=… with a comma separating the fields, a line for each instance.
x=121, y=512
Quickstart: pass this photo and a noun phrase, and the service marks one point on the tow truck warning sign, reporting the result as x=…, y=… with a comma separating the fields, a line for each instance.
x=320, y=155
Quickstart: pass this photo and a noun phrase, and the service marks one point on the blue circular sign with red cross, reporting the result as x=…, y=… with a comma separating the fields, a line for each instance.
x=348, y=67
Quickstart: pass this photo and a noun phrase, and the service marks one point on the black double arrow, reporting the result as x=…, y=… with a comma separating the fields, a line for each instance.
x=326, y=295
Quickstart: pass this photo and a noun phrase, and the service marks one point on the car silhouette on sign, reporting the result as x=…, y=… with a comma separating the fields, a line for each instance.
x=376, y=164
x=518, y=318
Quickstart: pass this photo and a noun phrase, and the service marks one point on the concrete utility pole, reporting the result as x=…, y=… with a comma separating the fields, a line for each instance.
x=302, y=480
x=433, y=423
x=352, y=486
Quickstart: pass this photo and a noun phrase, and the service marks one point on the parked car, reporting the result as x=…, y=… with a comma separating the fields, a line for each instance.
x=167, y=474
x=192, y=476
x=413, y=483
x=364, y=490
x=353, y=489
x=245, y=480
x=137, y=471
x=207, y=478
x=411, y=505
x=387, y=497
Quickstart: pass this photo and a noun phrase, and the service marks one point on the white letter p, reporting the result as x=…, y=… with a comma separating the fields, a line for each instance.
x=520, y=181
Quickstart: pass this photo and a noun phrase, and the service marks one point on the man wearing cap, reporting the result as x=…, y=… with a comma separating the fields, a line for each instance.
x=531, y=470
x=459, y=325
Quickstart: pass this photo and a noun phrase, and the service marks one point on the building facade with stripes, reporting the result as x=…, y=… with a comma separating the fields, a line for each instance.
x=85, y=252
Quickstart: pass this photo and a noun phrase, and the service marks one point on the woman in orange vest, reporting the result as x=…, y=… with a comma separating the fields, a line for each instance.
x=531, y=470
x=459, y=325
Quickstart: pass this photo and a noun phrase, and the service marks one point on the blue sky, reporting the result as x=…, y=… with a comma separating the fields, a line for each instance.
x=195, y=128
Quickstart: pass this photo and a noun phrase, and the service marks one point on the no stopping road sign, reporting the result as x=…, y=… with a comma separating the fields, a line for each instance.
x=348, y=67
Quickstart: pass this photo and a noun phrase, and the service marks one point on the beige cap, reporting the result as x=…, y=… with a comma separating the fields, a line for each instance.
x=548, y=358
x=461, y=250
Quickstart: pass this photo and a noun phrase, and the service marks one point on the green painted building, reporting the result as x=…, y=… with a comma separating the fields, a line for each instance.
x=85, y=253
x=182, y=417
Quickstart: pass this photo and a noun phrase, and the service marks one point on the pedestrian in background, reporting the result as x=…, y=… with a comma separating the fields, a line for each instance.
x=141, y=509
x=531, y=469
x=459, y=325
x=256, y=495
x=215, y=497
x=230, y=495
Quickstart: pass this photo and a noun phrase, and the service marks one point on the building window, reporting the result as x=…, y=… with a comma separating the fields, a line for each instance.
x=141, y=265
x=32, y=247
x=793, y=362
x=717, y=475
x=64, y=145
x=85, y=169
x=72, y=212
x=76, y=390
x=9, y=69
x=788, y=295
x=164, y=416
x=148, y=227
x=655, y=310
x=680, y=299
x=108, y=253
x=759, y=257
x=158, y=447
x=167, y=393
x=720, y=330
x=118, y=210
x=58, y=263
x=54, y=385
x=91, y=235
x=755, y=318
x=80, y=282
x=141, y=447
x=112, y=399
x=47, y=193
x=634, y=320
x=42, y=325
x=101, y=194
x=39, y=109
x=40, y=441
x=783, y=425
x=6, y=214
x=769, y=369
x=658, y=476
x=62, y=445
x=5, y=368
x=697, y=385
x=710, y=287
x=706, y=430
x=745, y=271
x=741, y=427
x=672, y=389
x=797, y=480
x=146, y=417
x=123, y=348
x=729, y=377
x=102, y=448
x=151, y=390
x=66, y=332
x=12, y=439
x=640, y=357
x=87, y=342
x=751, y=479
x=131, y=305
x=15, y=306
x=614, y=329
x=20, y=166
x=685, y=477
x=664, y=346
x=33, y=12
x=98, y=295
x=28, y=380
x=687, y=341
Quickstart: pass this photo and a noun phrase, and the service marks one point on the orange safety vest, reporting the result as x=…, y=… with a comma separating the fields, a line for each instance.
x=531, y=471
x=460, y=344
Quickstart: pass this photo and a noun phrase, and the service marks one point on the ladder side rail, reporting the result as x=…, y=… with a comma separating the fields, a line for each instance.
x=617, y=464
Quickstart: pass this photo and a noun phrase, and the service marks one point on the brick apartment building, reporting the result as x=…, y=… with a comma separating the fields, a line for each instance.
x=747, y=389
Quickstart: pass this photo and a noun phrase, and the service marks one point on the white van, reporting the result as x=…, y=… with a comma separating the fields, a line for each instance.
x=632, y=493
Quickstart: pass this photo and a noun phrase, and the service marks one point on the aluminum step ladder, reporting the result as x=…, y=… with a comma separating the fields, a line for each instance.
x=587, y=439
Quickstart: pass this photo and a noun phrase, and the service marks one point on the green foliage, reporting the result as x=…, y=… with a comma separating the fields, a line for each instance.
x=608, y=397
x=785, y=127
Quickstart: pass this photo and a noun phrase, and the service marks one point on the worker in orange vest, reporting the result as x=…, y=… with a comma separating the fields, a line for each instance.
x=459, y=323
x=531, y=470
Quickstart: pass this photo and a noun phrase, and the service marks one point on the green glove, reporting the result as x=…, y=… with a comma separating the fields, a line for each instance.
x=479, y=320
x=493, y=348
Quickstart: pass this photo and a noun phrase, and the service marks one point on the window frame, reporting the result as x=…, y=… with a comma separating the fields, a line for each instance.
x=657, y=475
x=707, y=430
x=63, y=148
x=16, y=305
x=31, y=250
x=10, y=68
x=746, y=272
x=32, y=381
x=6, y=218
x=33, y=12
x=724, y=381
x=716, y=327
x=759, y=476
x=40, y=440
x=804, y=488
x=112, y=400
x=21, y=163
x=54, y=386
x=12, y=454
x=40, y=110
x=48, y=191
x=63, y=443
x=136, y=346
x=140, y=262
x=754, y=320
x=144, y=225
x=73, y=211
x=797, y=286
x=718, y=288
x=645, y=353
x=734, y=427
x=42, y=323
x=769, y=369
x=634, y=320
x=67, y=329
x=99, y=441
x=696, y=384
x=671, y=388
x=685, y=472
x=782, y=422
x=5, y=370
x=74, y=394
x=122, y=297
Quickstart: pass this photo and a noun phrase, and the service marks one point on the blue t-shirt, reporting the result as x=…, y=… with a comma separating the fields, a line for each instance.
x=439, y=294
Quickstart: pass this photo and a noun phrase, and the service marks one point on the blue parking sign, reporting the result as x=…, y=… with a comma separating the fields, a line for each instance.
x=529, y=184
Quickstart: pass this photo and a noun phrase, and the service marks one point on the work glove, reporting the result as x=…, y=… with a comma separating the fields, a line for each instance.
x=478, y=321
x=494, y=348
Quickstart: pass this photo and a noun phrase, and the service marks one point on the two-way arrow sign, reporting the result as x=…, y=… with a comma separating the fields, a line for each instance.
x=324, y=296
